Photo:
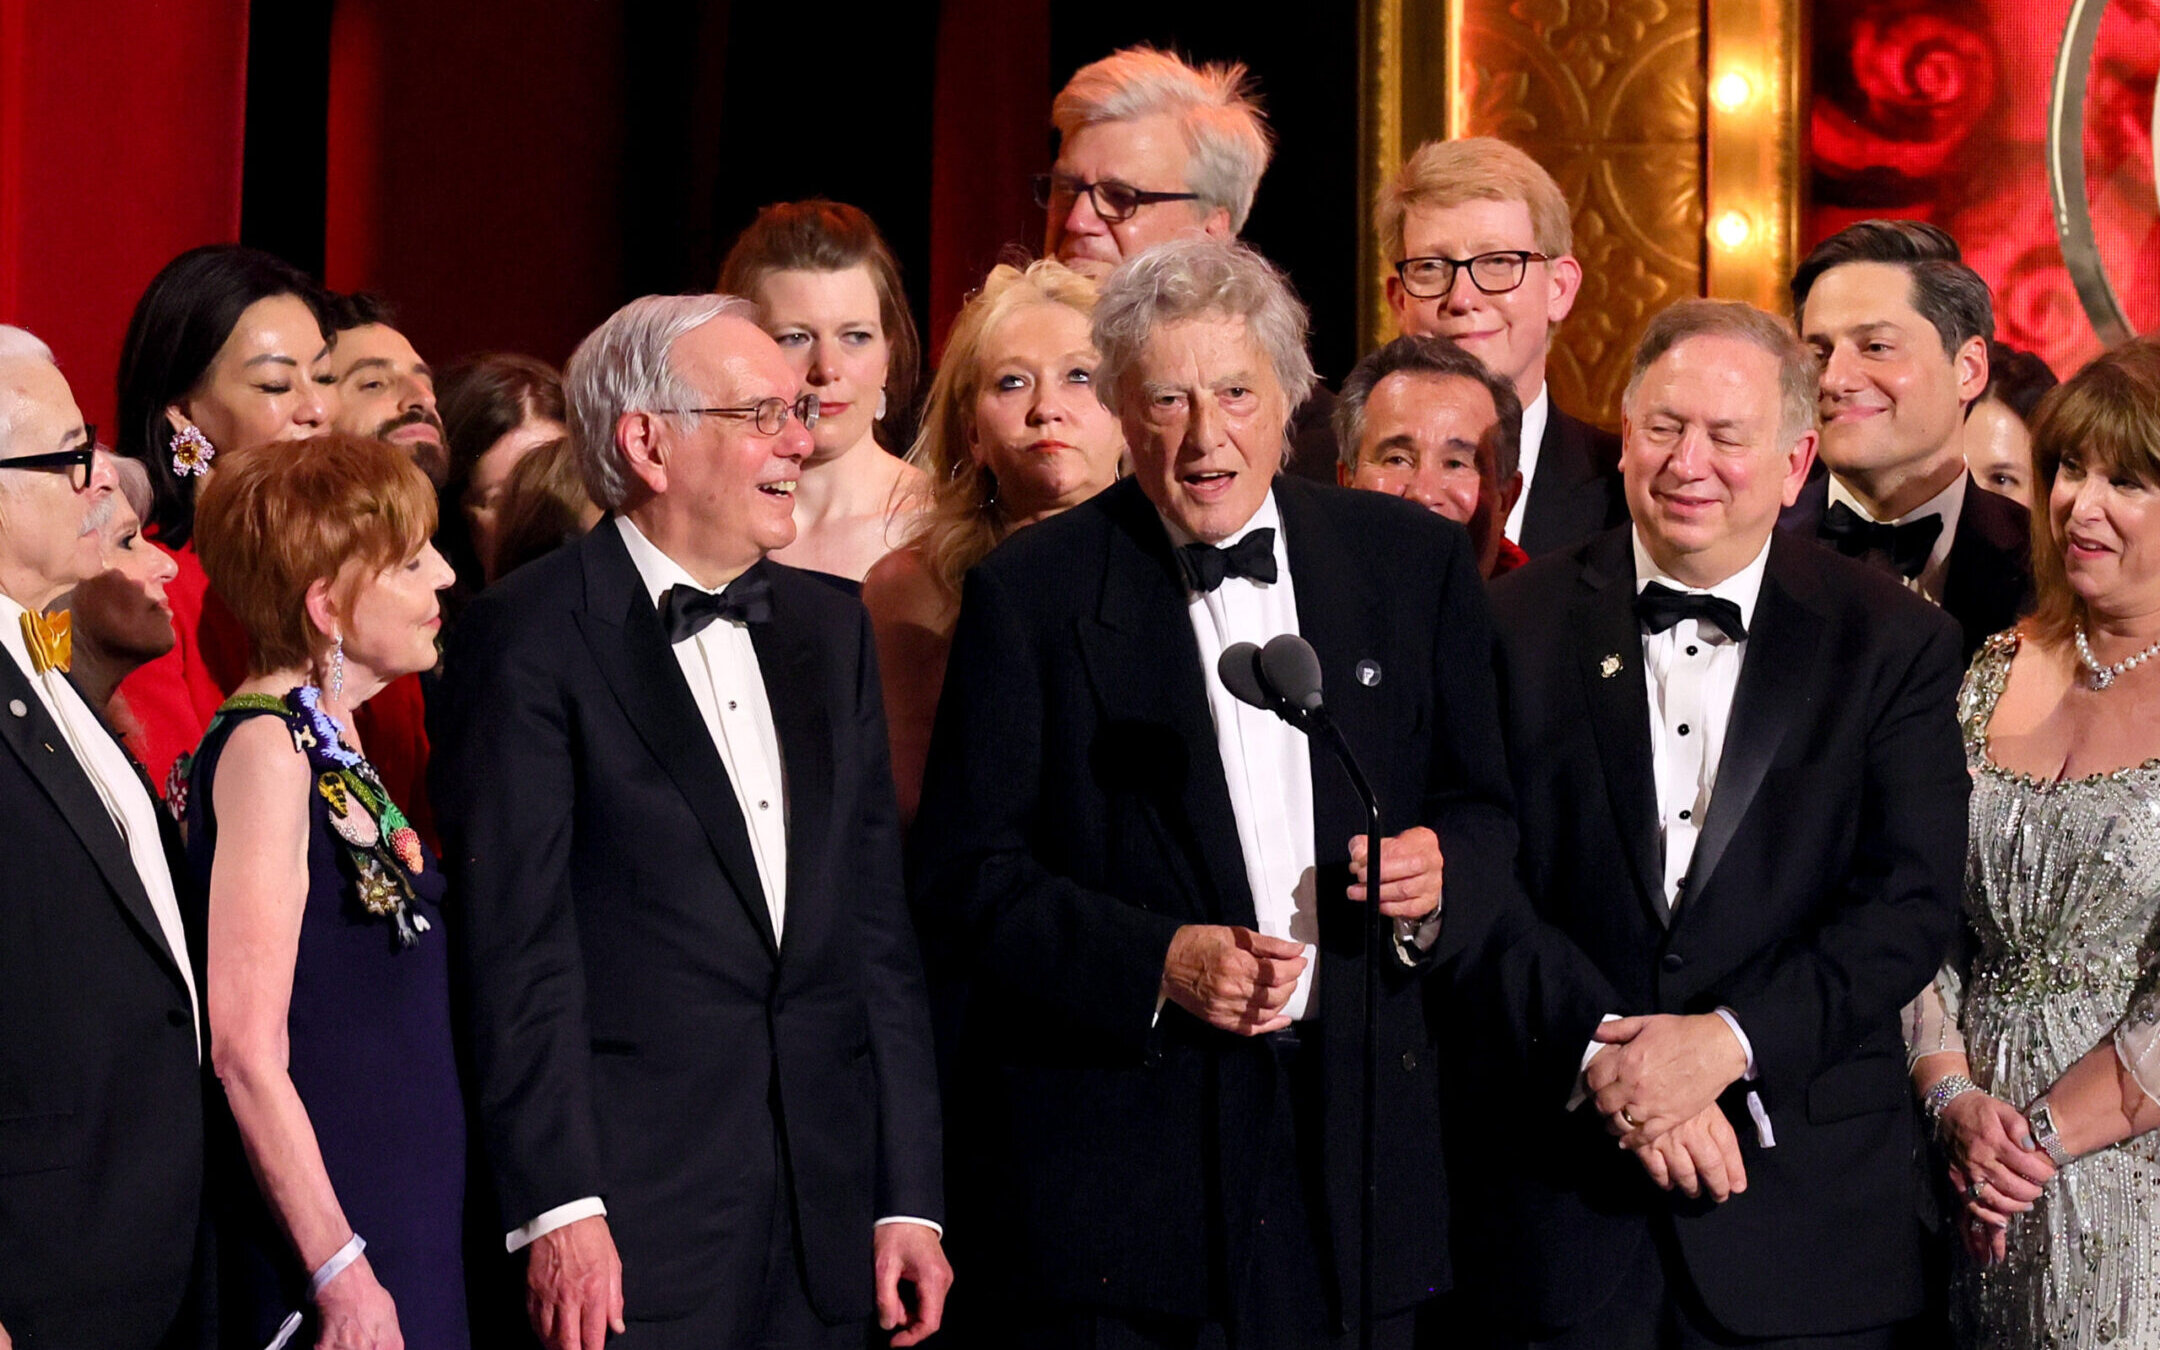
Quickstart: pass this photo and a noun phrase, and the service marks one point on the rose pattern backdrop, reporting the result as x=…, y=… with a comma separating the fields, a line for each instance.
x=1938, y=111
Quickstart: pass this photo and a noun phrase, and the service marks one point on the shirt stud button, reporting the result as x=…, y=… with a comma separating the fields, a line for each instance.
x=764, y=806
x=731, y=705
x=1692, y=650
x=1687, y=815
x=1683, y=728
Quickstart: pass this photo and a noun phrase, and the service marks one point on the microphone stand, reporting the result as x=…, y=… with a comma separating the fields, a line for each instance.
x=1377, y=937
x=1285, y=680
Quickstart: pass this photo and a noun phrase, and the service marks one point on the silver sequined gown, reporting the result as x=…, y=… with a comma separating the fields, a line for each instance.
x=2062, y=885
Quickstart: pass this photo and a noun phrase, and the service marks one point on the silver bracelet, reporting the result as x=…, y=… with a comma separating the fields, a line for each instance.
x=335, y=1266
x=1947, y=1089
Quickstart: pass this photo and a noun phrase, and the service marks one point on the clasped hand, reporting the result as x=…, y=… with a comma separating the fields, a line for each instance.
x=1660, y=1071
x=1993, y=1167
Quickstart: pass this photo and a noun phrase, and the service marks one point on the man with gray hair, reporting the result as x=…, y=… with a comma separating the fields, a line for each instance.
x=1149, y=149
x=1741, y=794
x=706, y=1084
x=1423, y=419
x=101, y=1067
x=1147, y=894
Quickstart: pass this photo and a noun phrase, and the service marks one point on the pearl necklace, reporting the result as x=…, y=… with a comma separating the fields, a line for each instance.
x=2103, y=676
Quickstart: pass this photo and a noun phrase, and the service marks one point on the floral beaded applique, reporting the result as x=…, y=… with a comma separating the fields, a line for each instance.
x=379, y=841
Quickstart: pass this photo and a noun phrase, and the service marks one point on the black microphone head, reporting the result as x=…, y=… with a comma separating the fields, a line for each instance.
x=1239, y=669
x=1291, y=668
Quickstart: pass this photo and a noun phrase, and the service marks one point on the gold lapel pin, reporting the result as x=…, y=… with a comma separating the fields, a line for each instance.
x=1610, y=666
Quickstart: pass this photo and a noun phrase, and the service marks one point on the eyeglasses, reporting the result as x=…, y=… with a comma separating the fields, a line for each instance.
x=769, y=414
x=1115, y=202
x=1493, y=273
x=77, y=461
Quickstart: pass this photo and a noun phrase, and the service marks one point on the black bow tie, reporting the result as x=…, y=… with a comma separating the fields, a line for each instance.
x=1905, y=547
x=686, y=609
x=1205, y=565
x=1660, y=607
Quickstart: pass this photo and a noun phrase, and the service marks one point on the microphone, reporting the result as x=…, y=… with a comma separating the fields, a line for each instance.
x=1284, y=678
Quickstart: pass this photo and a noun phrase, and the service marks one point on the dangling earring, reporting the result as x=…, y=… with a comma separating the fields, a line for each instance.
x=191, y=452
x=991, y=479
x=337, y=668
x=880, y=406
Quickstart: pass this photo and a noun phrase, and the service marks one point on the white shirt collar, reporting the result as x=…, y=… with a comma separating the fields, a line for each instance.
x=1946, y=503
x=657, y=570
x=1743, y=587
x=1535, y=414
x=11, y=634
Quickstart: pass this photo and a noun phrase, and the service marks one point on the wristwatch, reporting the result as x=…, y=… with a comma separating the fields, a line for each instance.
x=2041, y=1116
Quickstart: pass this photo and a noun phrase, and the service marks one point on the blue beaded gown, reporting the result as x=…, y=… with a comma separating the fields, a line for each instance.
x=371, y=1057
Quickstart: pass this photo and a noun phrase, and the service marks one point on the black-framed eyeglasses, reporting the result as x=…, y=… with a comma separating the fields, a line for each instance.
x=77, y=461
x=770, y=415
x=1494, y=273
x=1115, y=202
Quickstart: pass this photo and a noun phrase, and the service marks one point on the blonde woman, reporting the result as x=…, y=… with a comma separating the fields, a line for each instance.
x=1012, y=434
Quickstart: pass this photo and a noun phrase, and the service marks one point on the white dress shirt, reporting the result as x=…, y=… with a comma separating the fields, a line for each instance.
x=1267, y=763
x=127, y=802
x=719, y=663
x=1535, y=414
x=1690, y=673
x=1947, y=503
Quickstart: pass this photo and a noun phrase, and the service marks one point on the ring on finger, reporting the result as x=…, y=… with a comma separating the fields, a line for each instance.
x=1627, y=1118
x=1972, y=1192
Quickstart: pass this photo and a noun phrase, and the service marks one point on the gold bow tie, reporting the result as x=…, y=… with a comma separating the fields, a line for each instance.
x=51, y=641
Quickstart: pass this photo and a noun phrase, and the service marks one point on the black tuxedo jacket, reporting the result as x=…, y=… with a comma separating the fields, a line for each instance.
x=1823, y=892
x=638, y=1033
x=101, y=1093
x=1075, y=814
x=1576, y=490
x=1989, y=580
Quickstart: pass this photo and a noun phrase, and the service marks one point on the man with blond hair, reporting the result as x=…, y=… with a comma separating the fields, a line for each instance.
x=1482, y=253
x=1149, y=149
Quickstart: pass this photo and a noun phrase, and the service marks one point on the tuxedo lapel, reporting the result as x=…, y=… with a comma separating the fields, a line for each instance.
x=1772, y=693
x=1144, y=664
x=1608, y=656
x=788, y=661
x=1988, y=579
x=37, y=741
x=623, y=632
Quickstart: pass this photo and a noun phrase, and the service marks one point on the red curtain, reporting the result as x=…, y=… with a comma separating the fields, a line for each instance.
x=990, y=130
x=121, y=128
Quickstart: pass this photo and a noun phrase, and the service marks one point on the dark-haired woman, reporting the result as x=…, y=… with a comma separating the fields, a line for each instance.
x=496, y=410
x=223, y=351
x=828, y=291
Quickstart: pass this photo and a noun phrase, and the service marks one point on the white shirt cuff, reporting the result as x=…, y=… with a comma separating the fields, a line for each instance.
x=1747, y=1047
x=558, y=1217
x=1582, y=1075
x=936, y=1228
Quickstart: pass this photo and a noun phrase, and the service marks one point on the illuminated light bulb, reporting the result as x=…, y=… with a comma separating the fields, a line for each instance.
x=1731, y=91
x=1732, y=229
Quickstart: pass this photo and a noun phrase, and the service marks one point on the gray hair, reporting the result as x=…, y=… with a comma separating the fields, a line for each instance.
x=134, y=484
x=1192, y=278
x=1686, y=319
x=624, y=366
x=1225, y=132
x=1435, y=358
x=16, y=344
